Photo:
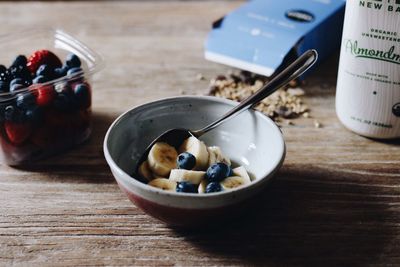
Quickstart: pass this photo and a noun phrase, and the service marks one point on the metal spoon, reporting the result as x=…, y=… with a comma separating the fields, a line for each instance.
x=175, y=137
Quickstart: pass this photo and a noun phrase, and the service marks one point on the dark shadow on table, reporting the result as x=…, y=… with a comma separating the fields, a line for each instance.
x=83, y=163
x=395, y=142
x=301, y=221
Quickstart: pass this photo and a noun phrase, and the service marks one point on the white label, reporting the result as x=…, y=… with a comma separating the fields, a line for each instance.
x=368, y=87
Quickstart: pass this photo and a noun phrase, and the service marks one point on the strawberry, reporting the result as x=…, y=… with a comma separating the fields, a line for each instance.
x=41, y=57
x=44, y=94
x=17, y=133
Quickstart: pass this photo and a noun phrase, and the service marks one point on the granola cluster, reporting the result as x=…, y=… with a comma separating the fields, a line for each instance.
x=282, y=106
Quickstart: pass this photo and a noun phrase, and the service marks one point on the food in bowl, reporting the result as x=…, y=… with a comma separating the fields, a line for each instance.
x=196, y=169
x=37, y=116
x=250, y=139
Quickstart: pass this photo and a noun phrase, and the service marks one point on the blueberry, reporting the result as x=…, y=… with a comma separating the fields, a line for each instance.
x=73, y=61
x=34, y=114
x=76, y=73
x=213, y=187
x=61, y=72
x=16, y=81
x=82, y=93
x=71, y=71
x=26, y=100
x=16, y=87
x=20, y=60
x=230, y=172
x=19, y=81
x=45, y=71
x=217, y=172
x=65, y=101
x=9, y=112
x=186, y=187
x=186, y=161
x=12, y=113
x=39, y=79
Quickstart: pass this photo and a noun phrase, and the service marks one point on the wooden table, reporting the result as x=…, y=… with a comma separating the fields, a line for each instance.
x=335, y=202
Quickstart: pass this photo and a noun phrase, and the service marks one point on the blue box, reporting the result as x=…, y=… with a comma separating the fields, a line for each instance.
x=263, y=36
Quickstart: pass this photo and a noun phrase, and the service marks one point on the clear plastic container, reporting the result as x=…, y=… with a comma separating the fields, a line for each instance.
x=58, y=116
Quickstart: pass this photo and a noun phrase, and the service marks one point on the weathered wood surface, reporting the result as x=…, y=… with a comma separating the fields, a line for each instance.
x=335, y=202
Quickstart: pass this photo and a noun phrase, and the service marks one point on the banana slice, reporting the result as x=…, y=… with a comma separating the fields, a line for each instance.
x=233, y=182
x=202, y=186
x=180, y=175
x=241, y=171
x=145, y=172
x=216, y=155
x=162, y=159
x=163, y=183
x=212, y=158
x=198, y=149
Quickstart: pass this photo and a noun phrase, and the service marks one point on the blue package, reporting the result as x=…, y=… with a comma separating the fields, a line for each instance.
x=263, y=36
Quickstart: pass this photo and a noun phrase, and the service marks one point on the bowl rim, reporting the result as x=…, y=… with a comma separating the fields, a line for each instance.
x=152, y=190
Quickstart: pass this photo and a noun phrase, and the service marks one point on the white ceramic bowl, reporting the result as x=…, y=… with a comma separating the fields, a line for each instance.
x=250, y=139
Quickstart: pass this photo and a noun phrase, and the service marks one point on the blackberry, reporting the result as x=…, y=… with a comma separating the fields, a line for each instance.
x=2, y=68
x=4, y=87
x=20, y=60
x=20, y=71
x=5, y=76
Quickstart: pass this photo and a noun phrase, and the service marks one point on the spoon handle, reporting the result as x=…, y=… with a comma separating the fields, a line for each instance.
x=294, y=70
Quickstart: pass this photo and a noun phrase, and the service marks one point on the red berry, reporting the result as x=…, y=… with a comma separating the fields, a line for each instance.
x=41, y=57
x=44, y=94
x=45, y=136
x=17, y=133
x=54, y=131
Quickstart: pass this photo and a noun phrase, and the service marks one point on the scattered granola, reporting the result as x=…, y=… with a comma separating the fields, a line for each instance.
x=317, y=124
x=284, y=104
x=200, y=77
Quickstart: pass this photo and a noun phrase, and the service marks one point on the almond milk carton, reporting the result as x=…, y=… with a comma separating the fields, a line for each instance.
x=368, y=86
